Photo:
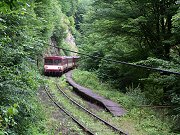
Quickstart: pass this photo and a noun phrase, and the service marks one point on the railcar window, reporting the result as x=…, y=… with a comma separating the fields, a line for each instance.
x=49, y=61
x=70, y=60
x=65, y=61
x=57, y=62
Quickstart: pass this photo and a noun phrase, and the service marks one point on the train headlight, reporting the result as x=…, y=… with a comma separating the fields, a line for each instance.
x=60, y=68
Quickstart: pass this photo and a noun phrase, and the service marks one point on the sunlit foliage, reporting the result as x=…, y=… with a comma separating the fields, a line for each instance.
x=26, y=28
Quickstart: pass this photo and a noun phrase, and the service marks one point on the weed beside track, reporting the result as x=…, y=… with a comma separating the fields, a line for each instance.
x=95, y=126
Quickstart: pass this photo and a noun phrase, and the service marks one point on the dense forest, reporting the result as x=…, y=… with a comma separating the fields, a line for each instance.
x=142, y=32
x=26, y=30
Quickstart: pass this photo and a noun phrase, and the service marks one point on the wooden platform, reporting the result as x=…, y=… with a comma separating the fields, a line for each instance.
x=111, y=106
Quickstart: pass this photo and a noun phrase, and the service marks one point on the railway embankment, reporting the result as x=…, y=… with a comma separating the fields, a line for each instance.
x=147, y=120
x=111, y=106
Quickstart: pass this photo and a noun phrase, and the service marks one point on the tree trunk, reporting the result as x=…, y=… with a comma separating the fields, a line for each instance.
x=167, y=46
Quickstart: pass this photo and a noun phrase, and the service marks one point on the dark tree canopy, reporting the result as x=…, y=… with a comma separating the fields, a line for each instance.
x=144, y=32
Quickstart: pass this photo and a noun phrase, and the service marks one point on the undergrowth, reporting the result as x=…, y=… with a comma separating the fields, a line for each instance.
x=151, y=121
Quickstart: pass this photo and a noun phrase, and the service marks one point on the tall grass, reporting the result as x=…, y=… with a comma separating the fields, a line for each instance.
x=150, y=121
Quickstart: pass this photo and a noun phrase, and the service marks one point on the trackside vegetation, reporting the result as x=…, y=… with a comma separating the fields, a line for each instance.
x=145, y=120
x=26, y=29
x=143, y=32
x=84, y=118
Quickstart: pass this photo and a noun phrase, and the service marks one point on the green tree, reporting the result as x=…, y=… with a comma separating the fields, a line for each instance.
x=26, y=27
x=142, y=32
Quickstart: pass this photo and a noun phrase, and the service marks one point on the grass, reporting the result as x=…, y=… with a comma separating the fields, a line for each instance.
x=127, y=124
x=68, y=124
x=138, y=121
x=49, y=123
x=96, y=126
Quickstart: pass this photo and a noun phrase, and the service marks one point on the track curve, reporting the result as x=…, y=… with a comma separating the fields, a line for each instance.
x=67, y=113
x=94, y=115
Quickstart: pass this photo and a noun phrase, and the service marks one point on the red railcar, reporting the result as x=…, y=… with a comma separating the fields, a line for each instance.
x=56, y=65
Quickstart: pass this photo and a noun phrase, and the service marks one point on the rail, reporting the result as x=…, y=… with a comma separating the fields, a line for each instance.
x=97, y=117
x=67, y=113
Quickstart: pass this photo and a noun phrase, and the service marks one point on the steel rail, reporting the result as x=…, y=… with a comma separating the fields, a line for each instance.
x=67, y=113
x=94, y=115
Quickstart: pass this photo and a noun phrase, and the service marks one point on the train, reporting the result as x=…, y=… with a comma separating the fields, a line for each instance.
x=57, y=65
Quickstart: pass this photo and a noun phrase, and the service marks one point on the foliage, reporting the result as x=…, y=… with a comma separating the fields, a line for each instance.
x=69, y=6
x=26, y=26
x=145, y=119
x=109, y=21
x=138, y=32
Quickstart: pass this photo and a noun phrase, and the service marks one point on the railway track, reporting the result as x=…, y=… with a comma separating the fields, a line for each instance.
x=92, y=114
x=88, y=131
x=82, y=126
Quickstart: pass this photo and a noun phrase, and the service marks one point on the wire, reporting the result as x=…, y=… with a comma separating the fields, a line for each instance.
x=122, y=62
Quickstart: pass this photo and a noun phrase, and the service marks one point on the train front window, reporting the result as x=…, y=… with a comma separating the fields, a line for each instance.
x=57, y=62
x=48, y=61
